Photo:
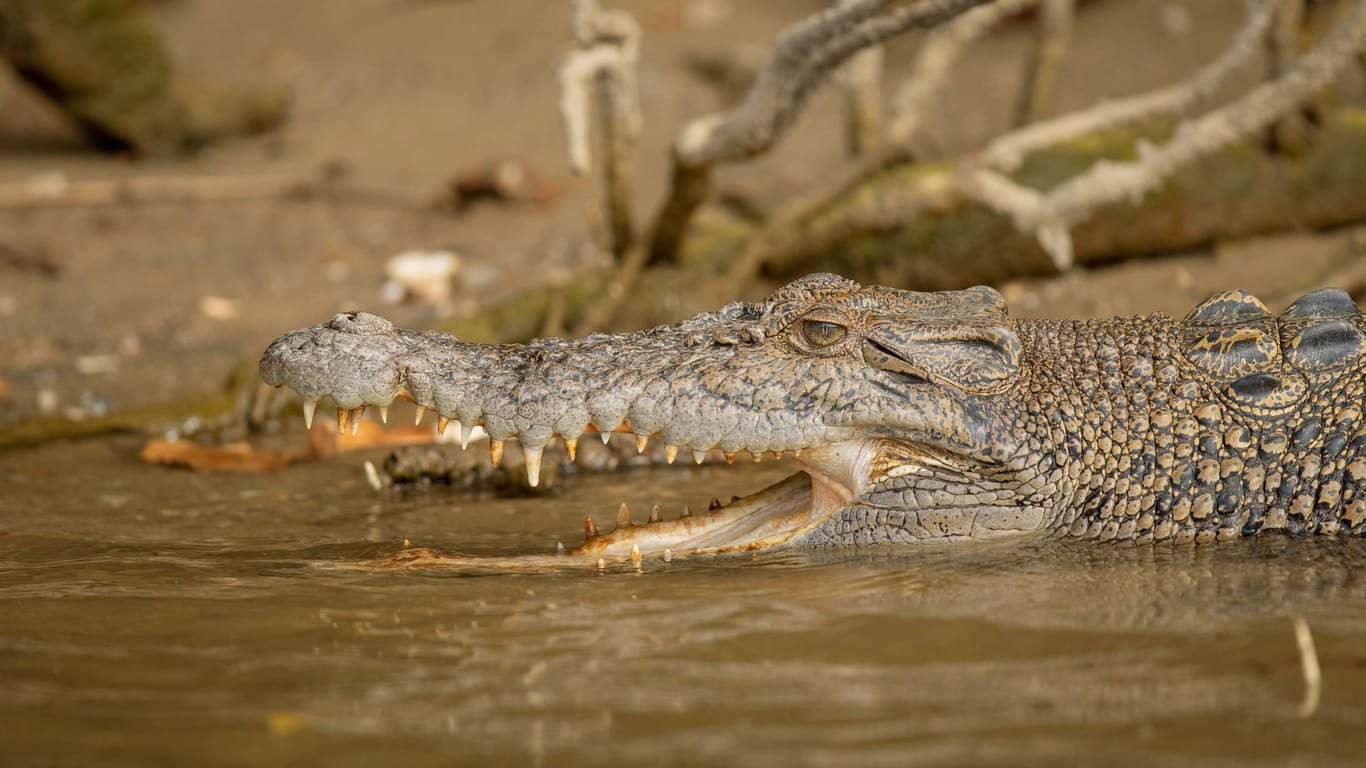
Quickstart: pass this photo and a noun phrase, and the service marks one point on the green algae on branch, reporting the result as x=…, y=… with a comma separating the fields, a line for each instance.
x=1239, y=192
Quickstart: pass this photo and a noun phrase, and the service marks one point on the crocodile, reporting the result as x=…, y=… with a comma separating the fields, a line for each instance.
x=916, y=416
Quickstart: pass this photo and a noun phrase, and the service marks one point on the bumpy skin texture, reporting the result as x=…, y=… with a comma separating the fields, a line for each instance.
x=945, y=418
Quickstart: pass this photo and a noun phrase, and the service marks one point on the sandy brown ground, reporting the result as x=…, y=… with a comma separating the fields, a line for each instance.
x=403, y=94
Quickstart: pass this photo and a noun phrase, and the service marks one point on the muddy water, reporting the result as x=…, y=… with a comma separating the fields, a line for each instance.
x=150, y=616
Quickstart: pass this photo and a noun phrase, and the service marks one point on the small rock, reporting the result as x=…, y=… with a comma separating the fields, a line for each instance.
x=425, y=276
x=218, y=308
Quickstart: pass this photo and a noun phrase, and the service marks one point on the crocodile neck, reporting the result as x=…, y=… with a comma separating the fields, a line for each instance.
x=1152, y=450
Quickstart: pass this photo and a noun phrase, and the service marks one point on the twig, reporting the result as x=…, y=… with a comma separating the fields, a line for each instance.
x=1050, y=215
x=1007, y=151
x=56, y=189
x=936, y=56
x=609, y=49
x=803, y=56
x=1309, y=666
x=1038, y=94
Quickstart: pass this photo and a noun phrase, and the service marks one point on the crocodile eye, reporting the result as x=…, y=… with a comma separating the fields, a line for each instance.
x=819, y=333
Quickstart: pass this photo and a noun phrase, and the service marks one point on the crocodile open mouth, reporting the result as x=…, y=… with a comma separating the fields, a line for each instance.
x=832, y=476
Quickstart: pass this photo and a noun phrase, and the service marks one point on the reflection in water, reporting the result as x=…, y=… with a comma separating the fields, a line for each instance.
x=168, y=616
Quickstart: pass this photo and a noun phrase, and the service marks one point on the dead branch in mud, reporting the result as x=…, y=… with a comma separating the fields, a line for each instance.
x=826, y=45
x=1050, y=215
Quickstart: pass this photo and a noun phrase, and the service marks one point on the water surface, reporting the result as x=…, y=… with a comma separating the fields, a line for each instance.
x=151, y=616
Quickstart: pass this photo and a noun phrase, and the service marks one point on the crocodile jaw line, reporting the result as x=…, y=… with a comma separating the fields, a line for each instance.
x=833, y=475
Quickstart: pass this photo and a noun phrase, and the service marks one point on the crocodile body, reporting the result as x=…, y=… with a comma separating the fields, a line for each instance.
x=921, y=416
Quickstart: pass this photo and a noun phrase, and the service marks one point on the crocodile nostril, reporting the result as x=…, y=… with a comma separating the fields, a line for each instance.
x=361, y=324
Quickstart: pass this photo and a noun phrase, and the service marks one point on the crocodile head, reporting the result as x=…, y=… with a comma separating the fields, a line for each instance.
x=896, y=404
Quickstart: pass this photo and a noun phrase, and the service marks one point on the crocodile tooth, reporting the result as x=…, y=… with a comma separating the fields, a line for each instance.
x=685, y=513
x=309, y=407
x=668, y=555
x=356, y=416
x=421, y=411
x=699, y=456
x=495, y=451
x=635, y=552
x=670, y=453
x=730, y=457
x=343, y=420
x=533, y=464
x=466, y=431
x=655, y=514
x=605, y=437
x=734, y=499
x=642, y=441
x=601, y=564
x=559, y=547
x=714, y=505
x=590, y=531
x=571, y=447
x=623, y=516
x=758, y=456
x=441, y=424
x=384, y=414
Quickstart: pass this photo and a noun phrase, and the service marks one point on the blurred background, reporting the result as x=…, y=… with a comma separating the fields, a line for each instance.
x=409, y=157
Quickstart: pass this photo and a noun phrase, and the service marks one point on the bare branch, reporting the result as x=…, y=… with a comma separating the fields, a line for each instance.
x=1007, y=151
x=606, y=61
x=1050, y=214
x=801, y=59
x=1056, y=19
x=938, y=54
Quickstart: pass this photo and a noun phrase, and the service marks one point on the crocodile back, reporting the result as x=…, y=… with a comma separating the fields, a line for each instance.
x=1228, y=422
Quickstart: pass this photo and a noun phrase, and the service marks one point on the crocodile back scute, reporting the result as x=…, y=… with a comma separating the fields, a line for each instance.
x=1295, y=380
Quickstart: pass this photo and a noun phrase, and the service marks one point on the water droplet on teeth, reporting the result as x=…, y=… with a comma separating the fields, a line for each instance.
x=309, y=407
